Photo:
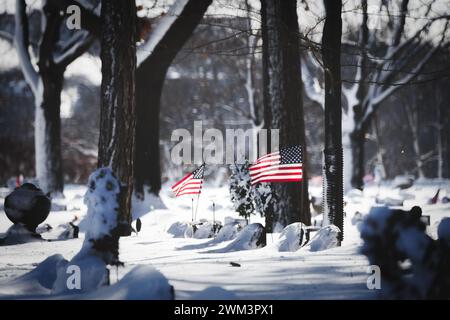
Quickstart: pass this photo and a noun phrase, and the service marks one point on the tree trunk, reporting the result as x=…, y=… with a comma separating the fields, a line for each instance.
x=283, y=108
x=357, y=135
x=333, y=154
x=149, y=85
x=439, y=137
x=357, y=143
x=380, y=151
x=150, y=78
x=48, y=132
x=412, y=117
x=117, y=118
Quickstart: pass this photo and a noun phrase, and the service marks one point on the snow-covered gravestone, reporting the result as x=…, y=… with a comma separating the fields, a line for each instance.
x=292, y=238
x=251, y=237
x=87, y=271
x=326, y=238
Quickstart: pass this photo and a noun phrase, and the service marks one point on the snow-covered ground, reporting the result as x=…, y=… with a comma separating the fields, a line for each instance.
x=193, y=265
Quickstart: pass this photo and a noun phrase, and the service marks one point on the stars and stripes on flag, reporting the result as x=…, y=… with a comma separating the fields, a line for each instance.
x=190, y=184
x=281, y=166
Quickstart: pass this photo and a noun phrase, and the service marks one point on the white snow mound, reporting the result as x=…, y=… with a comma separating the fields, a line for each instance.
x=18, y=234
x=143, y=282
x=38, y=281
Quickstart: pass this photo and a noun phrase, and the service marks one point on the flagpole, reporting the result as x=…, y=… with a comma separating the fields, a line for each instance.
x=214, y=212
x=198, y=197
x=214, y=219
x=192, y=207
x=196, y=207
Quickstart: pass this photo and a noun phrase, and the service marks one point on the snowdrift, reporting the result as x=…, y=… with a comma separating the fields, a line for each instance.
x=18, y=234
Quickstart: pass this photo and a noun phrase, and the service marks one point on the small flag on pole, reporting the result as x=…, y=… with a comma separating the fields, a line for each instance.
x=281, y=166
x=190, y=184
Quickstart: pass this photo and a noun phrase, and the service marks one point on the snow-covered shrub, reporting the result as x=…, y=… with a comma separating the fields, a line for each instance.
x=292, y=238
x=325, y=238
x=241, y=190
x=413, y=265
x=251, y=237
x=262, y=195
x=101, y=244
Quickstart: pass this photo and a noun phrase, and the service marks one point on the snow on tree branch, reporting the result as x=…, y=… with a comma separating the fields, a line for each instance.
x=166, y=22
x=6, y=36
x=74, y=48
x=313, y=89
x=373, y=101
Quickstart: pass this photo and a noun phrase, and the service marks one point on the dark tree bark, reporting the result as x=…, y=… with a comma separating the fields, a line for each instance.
x=333, y=153
x=357, y=136
x=48, y=159
x=46, y=85
x=117, y=119
x=150, y=77
x=358, y=146
x=48, y=122
x=283, y=108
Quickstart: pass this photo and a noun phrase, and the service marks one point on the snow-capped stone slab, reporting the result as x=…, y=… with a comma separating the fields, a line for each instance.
x=251, y=237
x=292, y=238
x=178, y=229
x=228, y=232
x=206, y=229
x=325, y=238
x=201, y=230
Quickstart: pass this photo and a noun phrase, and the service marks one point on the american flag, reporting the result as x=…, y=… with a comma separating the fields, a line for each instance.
x=281, y=166
x=190, y=184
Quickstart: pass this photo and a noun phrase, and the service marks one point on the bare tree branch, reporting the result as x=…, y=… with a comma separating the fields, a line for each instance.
x=7, y=36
